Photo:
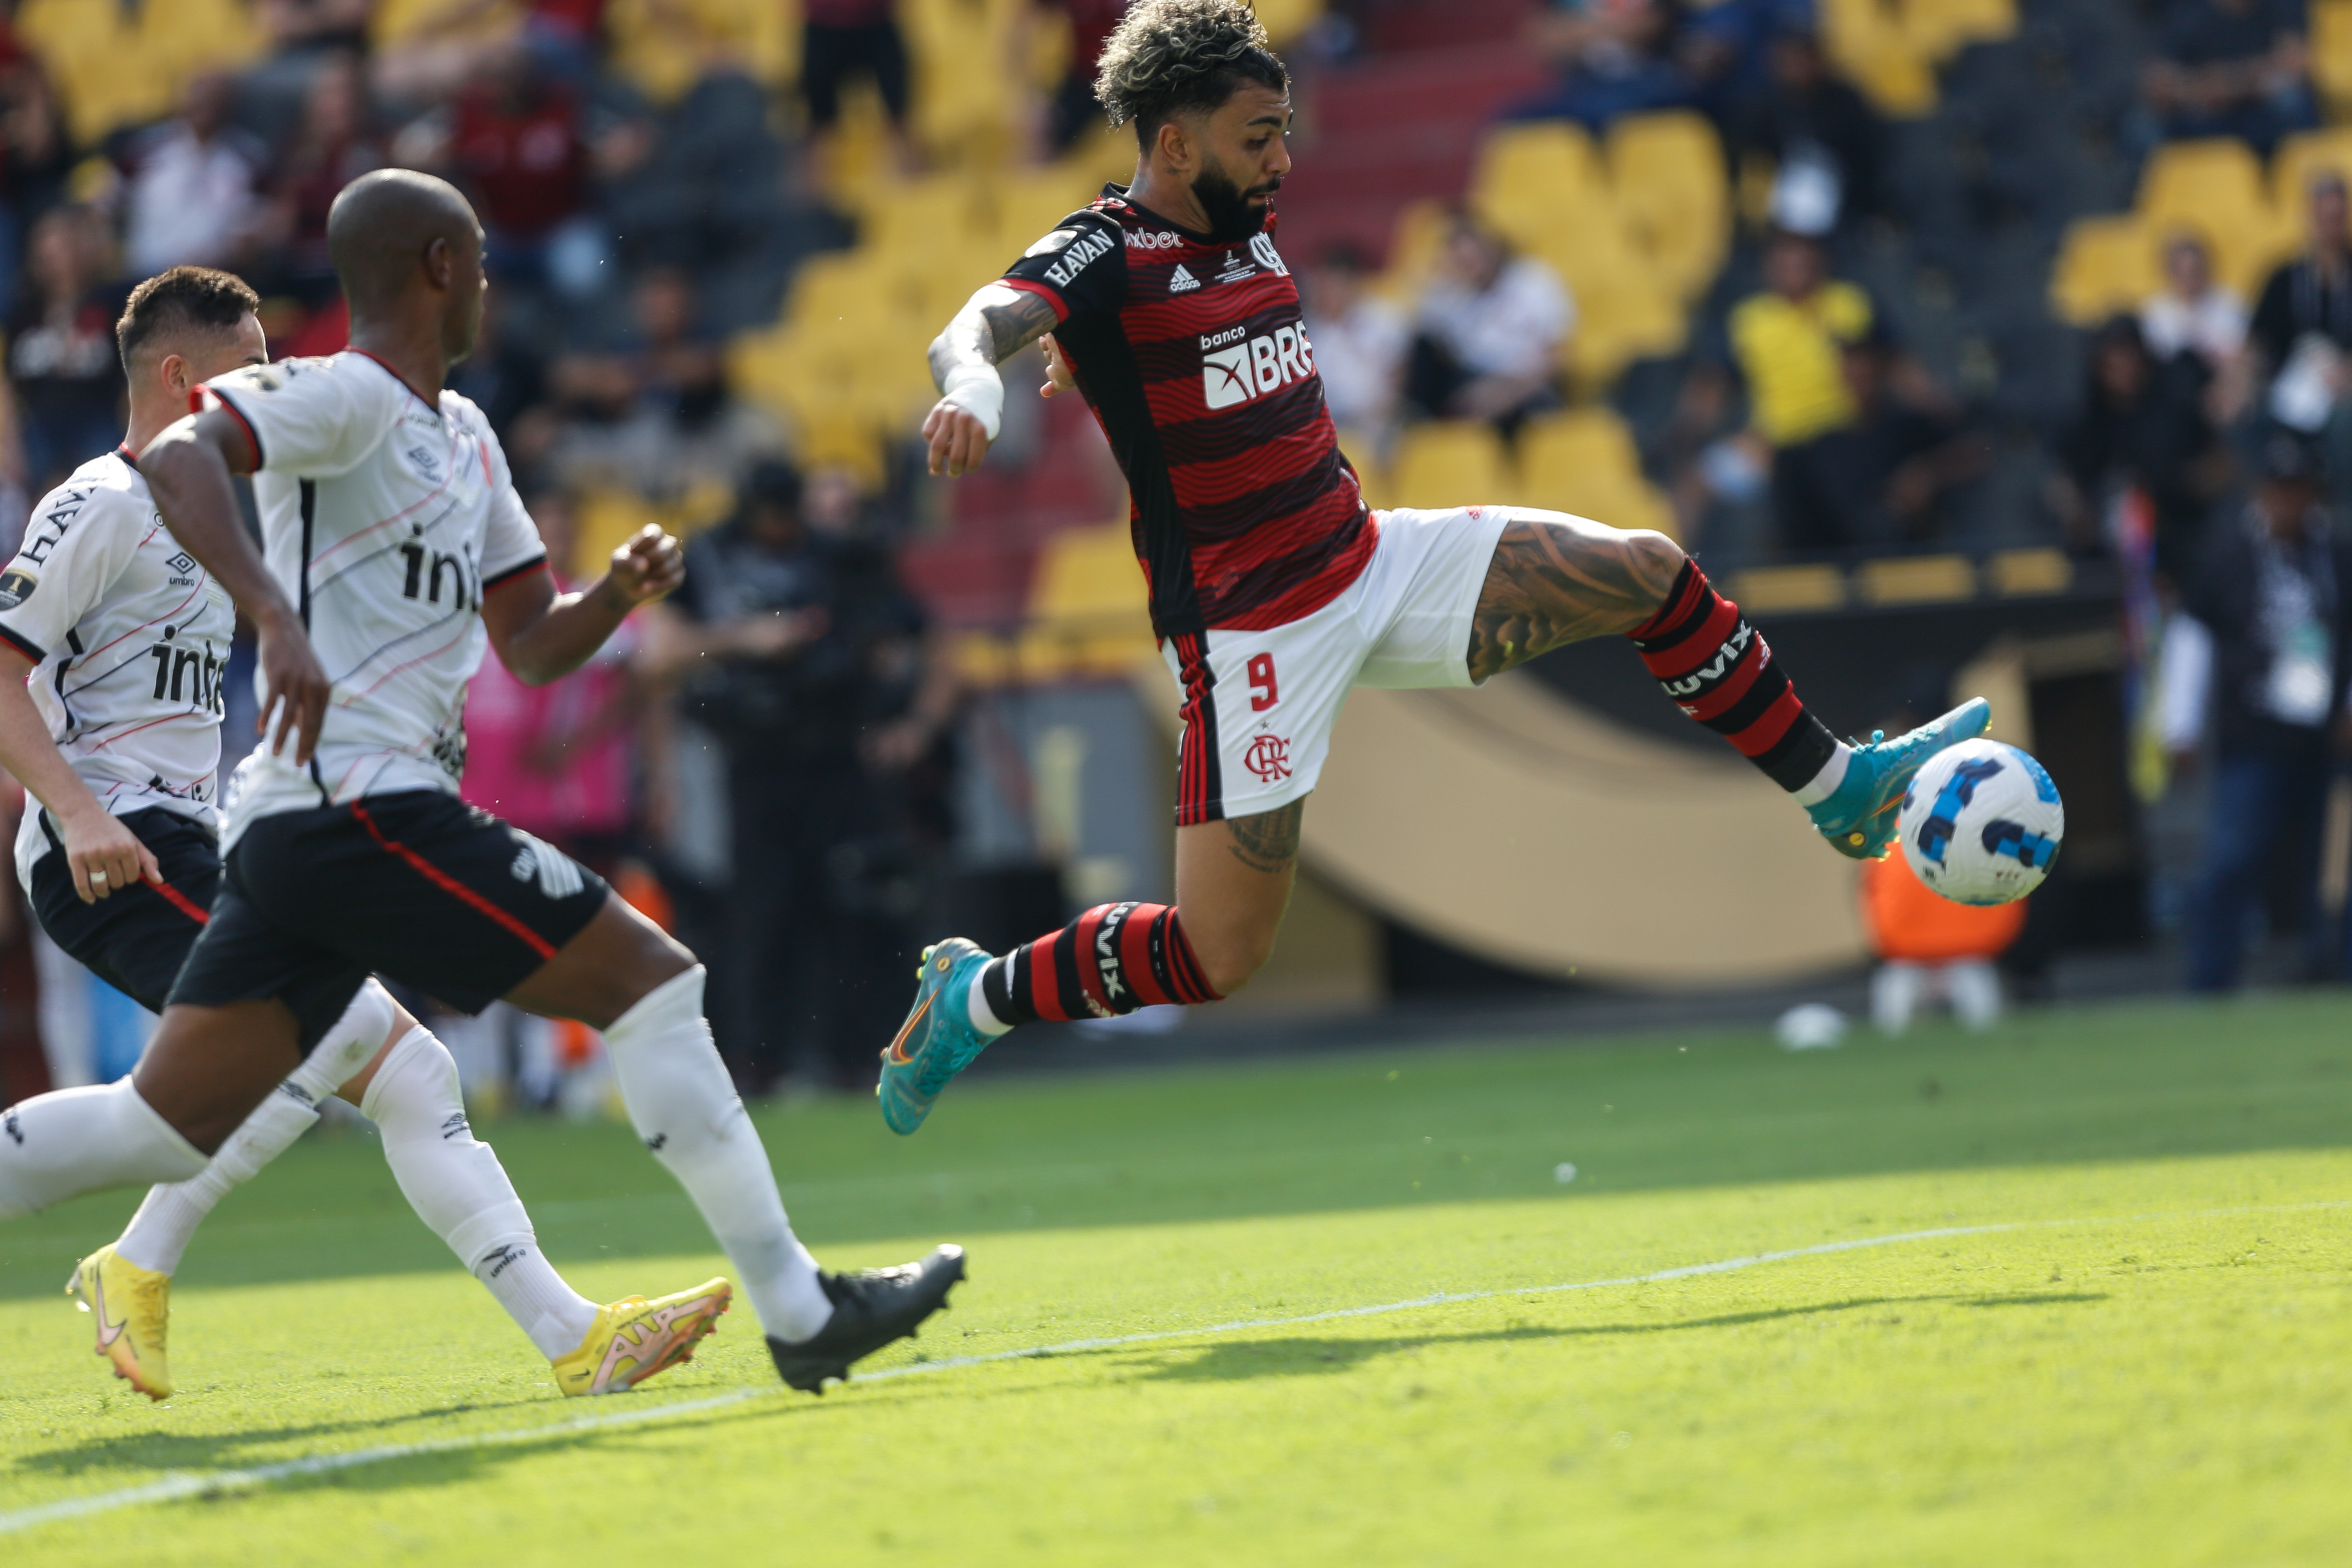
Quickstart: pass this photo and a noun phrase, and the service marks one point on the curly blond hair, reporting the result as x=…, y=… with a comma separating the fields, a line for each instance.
x=1170, y=56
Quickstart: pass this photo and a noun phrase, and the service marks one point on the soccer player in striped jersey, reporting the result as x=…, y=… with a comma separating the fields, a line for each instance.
x=1273, y=589
x=395, y=552
x=113, y=644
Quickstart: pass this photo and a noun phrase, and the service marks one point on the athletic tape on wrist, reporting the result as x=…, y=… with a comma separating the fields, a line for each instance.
x=979, y=391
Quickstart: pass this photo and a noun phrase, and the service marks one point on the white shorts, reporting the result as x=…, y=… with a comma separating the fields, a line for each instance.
x=1259, y=705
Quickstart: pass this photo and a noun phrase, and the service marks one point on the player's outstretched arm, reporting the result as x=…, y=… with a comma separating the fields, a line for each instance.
x=542, y=635
x=188, y=468
x=95, y=840
x=998, y=322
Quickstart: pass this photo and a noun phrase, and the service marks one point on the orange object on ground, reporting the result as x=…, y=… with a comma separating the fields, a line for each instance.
x=1908, y=923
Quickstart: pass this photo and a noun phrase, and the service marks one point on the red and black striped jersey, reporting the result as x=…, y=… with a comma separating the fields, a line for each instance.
x=1194, y=358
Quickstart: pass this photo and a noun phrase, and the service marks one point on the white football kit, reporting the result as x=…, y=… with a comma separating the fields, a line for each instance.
x=130, y=638
x=385, y=519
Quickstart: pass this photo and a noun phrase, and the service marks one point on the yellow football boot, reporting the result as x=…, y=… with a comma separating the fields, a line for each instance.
x=133, y=1308
x=634, y=1338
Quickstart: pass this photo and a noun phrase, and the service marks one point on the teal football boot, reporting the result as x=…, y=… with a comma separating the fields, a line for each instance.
x=938, y=1040
x=1860, y=818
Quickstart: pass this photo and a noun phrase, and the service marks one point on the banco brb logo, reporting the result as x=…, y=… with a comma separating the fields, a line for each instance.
x=1250, y=367
x=1268, y=757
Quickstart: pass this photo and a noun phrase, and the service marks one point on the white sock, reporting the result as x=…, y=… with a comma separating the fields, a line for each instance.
x=61, y=1145
x=456, y=1185
x=159, y=1233
x=983, y=1016
x=1825, y=783
x=685, y=1107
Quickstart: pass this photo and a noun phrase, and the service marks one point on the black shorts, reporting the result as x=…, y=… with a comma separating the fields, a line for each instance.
x=829, y=55
x=418, y=887
x=136, y=938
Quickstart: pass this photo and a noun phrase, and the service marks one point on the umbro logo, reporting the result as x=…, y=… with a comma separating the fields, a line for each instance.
x=183, y=563
x=1181, y=280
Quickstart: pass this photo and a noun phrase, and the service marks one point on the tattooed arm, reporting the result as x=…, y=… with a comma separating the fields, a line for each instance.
x=1268, y=841
x=1558, y=582
x=997, y=324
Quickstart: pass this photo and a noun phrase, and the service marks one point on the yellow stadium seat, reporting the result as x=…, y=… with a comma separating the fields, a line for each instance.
x=114, y=67
x=1667, y=173
x=1940, y=29
x=2212, y=183
x=1623, y=503
x=2331, y=53
x=1873, y=47
x=2106, y=266
x=967, y=95
x=1627, y=319
x=1447, y=465
x=1577, y=448
x=396, y=22
x=1286, y=19
x=1527, y=174
x=665, y=46
x=1413, y=251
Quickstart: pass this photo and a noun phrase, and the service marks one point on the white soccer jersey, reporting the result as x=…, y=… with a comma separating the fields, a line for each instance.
x=385, y=520
x=130, y=638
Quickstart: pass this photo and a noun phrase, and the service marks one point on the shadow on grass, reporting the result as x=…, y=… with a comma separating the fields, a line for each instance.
x=1229, y=1361
x=161, y=1451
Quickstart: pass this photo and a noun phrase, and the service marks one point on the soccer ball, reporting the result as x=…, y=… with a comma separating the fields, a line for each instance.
x=1981, y=823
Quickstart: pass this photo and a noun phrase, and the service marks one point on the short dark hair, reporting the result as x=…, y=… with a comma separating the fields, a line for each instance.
x=1168, y=56
x=180, y=298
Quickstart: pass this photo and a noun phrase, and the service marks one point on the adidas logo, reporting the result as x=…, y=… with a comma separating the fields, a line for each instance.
x=1179, y=280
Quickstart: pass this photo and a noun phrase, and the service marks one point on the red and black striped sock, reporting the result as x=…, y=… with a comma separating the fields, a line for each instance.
x=1716, y=668
x=1111, y=960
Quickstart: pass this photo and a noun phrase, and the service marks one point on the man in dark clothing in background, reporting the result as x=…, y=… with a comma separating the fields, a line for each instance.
x=2272, y=592
x=776, y=637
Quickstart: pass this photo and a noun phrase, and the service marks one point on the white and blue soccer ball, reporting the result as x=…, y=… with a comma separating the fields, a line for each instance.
x=1981, y=823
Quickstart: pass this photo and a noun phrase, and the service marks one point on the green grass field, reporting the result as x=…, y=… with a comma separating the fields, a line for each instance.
x=2130, y=1341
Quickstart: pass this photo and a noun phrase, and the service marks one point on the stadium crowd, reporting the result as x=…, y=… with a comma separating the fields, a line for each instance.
x=801, y=697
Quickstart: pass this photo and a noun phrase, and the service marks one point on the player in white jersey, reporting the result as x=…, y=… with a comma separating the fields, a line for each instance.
x=397, y=551
x=117, y=735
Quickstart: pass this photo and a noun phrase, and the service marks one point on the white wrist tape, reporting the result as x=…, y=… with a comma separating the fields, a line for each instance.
x=979, y=391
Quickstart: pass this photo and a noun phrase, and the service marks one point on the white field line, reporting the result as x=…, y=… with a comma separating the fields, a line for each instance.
x=206, y=1483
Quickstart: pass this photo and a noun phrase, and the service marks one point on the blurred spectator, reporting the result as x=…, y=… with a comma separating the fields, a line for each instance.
x=1487, y=332
x=2193, y=314
x=62, y=365
x=2302, y=323
x=1071, y=110
x=2143, y=425
x=520, y=144
x=1802, y=114
x=35, y=156
x=842, y=39
x=1359, y=342
x=2231, y=67
x=656, y=415
x=1787, y=347
x=2272, y=592
x=558, y=760
x=1614, y=57
x=335, y=145
x=192, y=186
x=1877, y=478
x=775, y=634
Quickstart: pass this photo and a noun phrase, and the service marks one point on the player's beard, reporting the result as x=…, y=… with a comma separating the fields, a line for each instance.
x=1231, y=216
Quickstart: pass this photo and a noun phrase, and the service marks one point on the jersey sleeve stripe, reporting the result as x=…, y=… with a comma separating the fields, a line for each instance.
x=1031, y=286
x=30, y=649
x=492, y=585
x=238, y=414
